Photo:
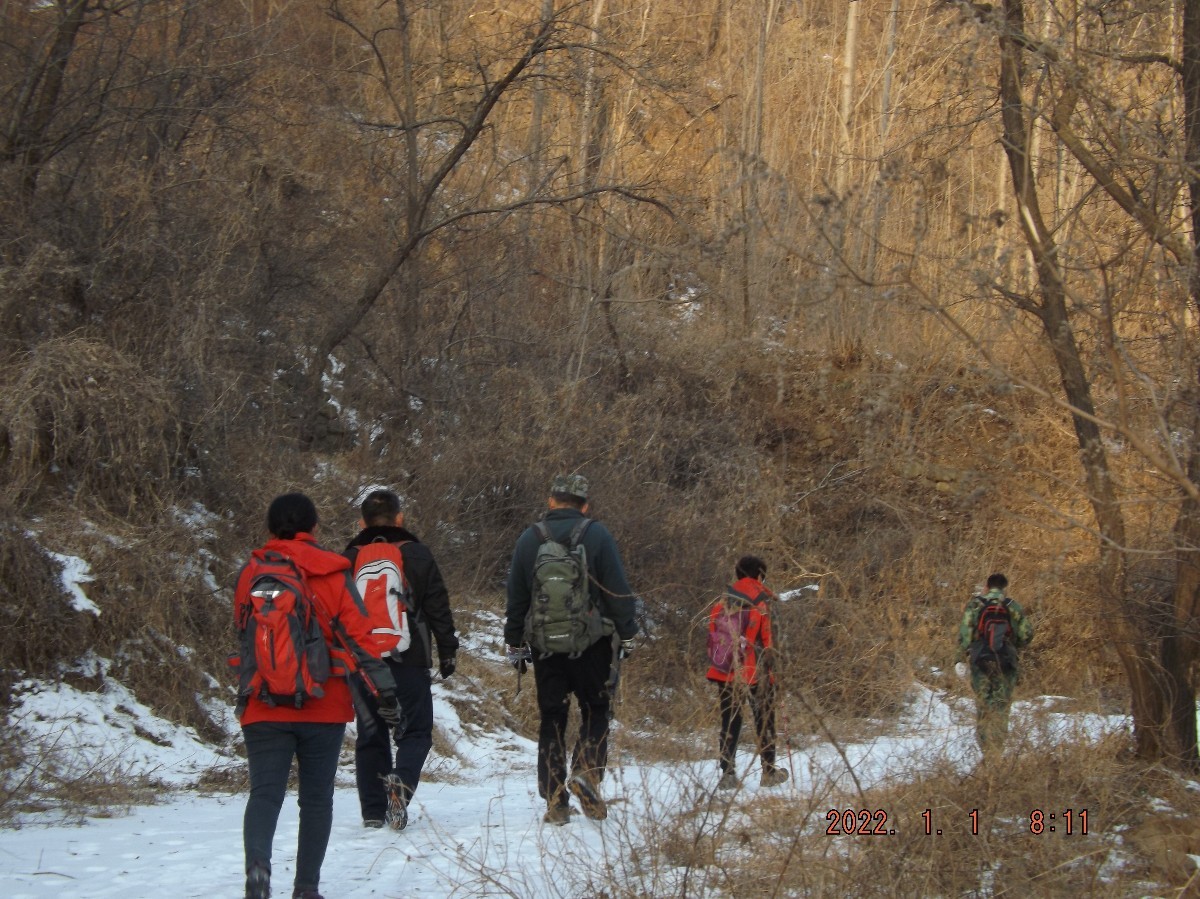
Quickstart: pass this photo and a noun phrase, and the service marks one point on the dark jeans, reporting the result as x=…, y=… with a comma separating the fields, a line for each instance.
x=373, y=759
x=731, y=697
x=558, y=677
x=270, y=748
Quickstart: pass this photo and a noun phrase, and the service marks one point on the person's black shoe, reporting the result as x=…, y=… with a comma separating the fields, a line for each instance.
x=258, y=881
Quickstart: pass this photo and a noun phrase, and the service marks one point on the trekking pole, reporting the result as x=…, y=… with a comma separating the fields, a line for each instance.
x=522, y=665
x=614, y=676
x=786, y=728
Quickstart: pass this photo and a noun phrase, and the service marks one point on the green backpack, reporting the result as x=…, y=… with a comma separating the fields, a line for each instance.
x=562, y=618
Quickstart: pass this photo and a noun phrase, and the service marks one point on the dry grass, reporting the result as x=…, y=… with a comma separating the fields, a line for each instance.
x=985, y=837
x=79, y=412
x=33, y=606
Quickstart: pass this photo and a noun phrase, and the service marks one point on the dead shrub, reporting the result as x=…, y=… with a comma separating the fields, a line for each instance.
x=38, y=626
x=78, y=412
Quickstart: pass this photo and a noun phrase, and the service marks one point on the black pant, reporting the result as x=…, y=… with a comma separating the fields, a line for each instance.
x=762, y=705
x=558, y=677
x=373, y=758
x=270, y=748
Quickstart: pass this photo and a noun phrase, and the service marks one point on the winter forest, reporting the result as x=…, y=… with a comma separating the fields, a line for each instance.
x=891, y=293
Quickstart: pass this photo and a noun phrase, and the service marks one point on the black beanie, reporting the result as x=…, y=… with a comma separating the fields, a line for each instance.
x=291, y=514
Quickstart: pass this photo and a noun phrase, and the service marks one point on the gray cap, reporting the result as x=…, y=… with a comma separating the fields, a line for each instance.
x=573, y=484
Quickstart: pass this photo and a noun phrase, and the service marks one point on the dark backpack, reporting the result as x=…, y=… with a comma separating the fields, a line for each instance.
x=379, y=576
x=562, y=617
x=992, y=647
x=284, y=658
x=727, y=637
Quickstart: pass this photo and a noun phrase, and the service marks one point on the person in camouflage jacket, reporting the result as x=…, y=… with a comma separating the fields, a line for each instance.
x=993, y=678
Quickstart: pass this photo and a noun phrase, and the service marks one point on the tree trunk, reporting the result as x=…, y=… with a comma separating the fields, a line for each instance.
x=1180, y=646
x=1153, y=688
x=39, y=101
x=846, y=104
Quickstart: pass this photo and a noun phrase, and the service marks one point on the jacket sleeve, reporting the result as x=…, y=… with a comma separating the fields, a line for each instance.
x=757, y=635
x=617, y=601
x=241, y=609
x=966, y=627
x=1022, y=627
x=351, y=630
x=765, y=639
x=519, y=587
x=430, y=596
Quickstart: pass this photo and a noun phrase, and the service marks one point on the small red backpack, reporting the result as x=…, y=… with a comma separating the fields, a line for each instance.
x=379, y=576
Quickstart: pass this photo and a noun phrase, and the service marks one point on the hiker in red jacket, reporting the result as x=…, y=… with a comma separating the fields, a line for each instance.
x=740, y=653
x=276, y=732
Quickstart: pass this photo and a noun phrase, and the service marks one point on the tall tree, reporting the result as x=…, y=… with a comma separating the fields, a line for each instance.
x=1131, y=149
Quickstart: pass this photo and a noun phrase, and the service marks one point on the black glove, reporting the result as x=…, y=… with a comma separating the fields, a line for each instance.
x=390, y=710
x=518, y=656
x=446, y=665
x=626, y=649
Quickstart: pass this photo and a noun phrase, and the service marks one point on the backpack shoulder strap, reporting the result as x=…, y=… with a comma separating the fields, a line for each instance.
x=578, y=531
x=737, y=599
x=576, y=535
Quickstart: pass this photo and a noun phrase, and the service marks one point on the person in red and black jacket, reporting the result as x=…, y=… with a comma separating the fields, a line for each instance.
x=432, y=624
x=750, y=677
x=312, y=733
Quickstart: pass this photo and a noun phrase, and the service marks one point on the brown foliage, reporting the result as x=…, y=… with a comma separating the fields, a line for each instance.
x=38, y=626
x=77, y=411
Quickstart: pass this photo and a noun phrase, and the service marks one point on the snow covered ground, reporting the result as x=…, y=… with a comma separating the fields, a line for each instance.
x=476, y=826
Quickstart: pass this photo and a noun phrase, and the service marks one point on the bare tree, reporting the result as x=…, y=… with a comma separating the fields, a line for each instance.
x=1131, y=149
x=441, y=134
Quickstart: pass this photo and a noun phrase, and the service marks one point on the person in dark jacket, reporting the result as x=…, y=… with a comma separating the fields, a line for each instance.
x=376, y=770
x=312, y=734
x=585, y=675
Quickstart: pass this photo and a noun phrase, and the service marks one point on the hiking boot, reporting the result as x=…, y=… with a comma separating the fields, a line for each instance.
x=372, y=823
x=589, y=797
x=728, y=781
x=397, y=810
x=773, y=777
x=557, y=814
x=306, y=894
x=258, y=881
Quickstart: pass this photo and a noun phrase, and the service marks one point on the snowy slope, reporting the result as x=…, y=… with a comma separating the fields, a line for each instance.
x=476, y=820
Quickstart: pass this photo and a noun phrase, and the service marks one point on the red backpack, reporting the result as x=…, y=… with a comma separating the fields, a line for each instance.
x=992, y=647
x=379, y=575
x=284, y=658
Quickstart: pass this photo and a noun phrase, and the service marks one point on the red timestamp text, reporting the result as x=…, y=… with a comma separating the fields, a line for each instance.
x=877, y=822
x=860, y=823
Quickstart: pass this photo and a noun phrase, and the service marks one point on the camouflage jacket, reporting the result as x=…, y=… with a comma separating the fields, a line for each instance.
x=1022, y=630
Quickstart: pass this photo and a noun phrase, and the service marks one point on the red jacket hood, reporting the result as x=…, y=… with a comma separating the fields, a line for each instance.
x=308, y=556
